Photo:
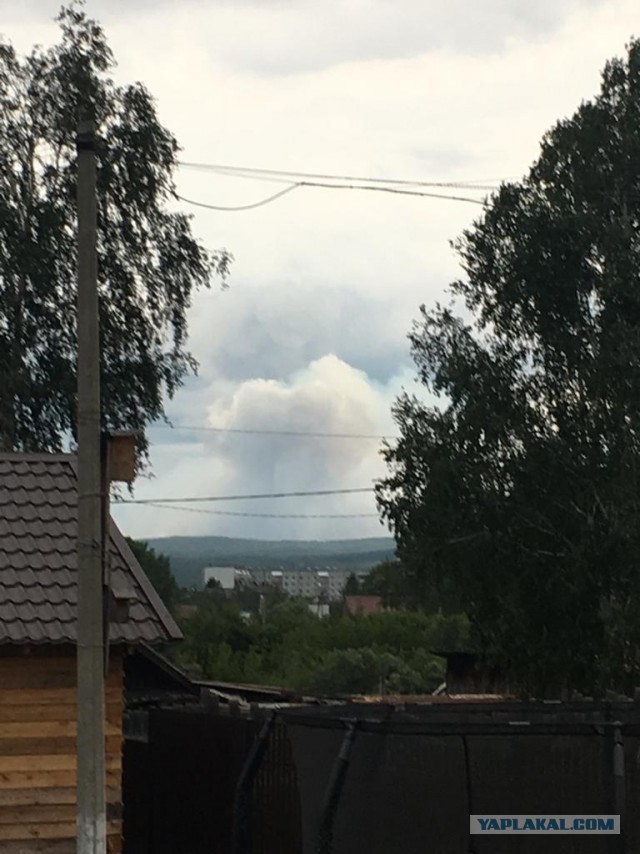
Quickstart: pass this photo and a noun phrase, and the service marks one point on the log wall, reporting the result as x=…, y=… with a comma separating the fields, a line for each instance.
x=38, y=752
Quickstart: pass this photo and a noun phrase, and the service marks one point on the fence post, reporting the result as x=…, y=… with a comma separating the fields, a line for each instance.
x=619, y=783
x=334, y=790
x=242, y=830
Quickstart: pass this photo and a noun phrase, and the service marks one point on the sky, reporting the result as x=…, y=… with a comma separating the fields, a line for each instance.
x=311, y=335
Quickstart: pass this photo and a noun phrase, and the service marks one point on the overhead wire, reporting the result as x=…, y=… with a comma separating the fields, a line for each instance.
x=200, y=499
x=282, y=175
x=327, y=186
x=162, y=506
x=248, y=207
x=259, y=432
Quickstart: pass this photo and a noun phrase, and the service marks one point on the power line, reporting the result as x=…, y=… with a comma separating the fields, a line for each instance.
x=283, y=175
x=394, y=190
x=240, y=207
x=297, y=433
x=241, y=497
x=161, y=506
x=326, y=186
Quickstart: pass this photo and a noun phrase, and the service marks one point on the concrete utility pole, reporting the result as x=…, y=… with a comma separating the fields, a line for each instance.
x=91, y=818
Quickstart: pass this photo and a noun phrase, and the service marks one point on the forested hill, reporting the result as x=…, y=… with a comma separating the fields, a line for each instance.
x=190, y=554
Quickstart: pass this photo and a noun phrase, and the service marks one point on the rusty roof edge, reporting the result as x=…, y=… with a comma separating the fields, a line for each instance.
x=168, y=623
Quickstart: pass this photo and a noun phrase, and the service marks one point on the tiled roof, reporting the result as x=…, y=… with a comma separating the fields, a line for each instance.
x=38, y=560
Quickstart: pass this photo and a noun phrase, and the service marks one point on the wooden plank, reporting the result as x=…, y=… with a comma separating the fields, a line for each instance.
x=37, y=813
x=61, y=830
x=37, y=696
x=34, y=797
x=52, y=711
x=37, y=662
x=48, y=662
x=34, y=678
x=42, y=695
x=48, y=779
x=29, y=746
x=44, y=729
x=39, y=650
x=23, y=797
x=65, y=830
x=52, y=762
x=41, y=846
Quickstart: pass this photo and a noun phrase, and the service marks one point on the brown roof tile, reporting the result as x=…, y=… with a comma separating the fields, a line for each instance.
x=38, y=559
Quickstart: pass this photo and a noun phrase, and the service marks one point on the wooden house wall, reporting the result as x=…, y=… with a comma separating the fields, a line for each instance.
x=38, y=752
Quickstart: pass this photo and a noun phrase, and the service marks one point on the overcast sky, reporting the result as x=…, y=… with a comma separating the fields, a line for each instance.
x=311, y=334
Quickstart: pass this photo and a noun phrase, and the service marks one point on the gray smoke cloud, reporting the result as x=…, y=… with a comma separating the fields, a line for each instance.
x=328, y=396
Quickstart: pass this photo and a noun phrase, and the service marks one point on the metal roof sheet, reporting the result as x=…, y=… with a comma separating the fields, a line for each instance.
x=38, y=559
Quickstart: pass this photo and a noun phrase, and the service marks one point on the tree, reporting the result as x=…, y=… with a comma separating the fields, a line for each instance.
x=391, y=581
x=157, y=568
x=372, y=671
x=520, y=492
x=352, y=585
x=148, y=260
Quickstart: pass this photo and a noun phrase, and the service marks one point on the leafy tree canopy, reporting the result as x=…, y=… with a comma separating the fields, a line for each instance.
x=352, y=586
x=148, y=260
x=157, y=568
x=290, y=646
x=520, y=493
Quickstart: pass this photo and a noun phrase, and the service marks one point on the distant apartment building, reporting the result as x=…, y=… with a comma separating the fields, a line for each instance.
x=228, y=577
x=325, y=584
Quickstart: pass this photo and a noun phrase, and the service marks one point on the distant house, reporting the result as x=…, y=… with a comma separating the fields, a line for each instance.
x=38, y=613
x=364, y=605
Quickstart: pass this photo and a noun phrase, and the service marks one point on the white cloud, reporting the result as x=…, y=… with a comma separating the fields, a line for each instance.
x=301, y=36
x=328, y=396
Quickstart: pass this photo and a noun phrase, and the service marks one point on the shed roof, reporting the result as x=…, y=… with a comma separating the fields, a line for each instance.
x=38, y=559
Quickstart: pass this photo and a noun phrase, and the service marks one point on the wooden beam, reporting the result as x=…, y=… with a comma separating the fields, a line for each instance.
x=62, y=830
x=42, y=729
x=52, y=762
x=47, y=696
x=14, y=712
x=17, y=797
x=47, y=746
x=47, y=779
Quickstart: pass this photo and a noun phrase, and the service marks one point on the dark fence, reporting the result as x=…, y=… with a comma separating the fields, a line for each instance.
x=407, y=781
x=410, y=779
x=179, y=785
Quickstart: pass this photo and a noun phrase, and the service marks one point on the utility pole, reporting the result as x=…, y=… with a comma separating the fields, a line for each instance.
x=91, y=809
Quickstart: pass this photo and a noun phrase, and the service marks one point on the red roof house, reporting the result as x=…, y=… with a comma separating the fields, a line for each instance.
x=364, y=605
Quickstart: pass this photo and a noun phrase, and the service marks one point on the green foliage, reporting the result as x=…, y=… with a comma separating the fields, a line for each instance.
x=371, y=671
x=352, y=585
x=157, y=568
x=390, y=581
x=520, y=494
x=289, y=646
x=149, y=264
